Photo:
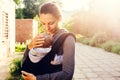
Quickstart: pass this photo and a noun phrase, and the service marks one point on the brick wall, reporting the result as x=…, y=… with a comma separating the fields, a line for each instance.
x=25, y=29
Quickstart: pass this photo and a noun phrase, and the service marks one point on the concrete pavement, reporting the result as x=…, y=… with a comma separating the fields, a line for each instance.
x=4, y=69
x=95, y=64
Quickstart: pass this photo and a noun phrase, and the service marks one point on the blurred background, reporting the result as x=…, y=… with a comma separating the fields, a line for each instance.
x=86, y=17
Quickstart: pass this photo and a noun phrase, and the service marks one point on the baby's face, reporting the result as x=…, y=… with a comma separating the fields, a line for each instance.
x=48, y=40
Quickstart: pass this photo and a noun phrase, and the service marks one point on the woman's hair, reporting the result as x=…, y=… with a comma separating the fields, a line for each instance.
x=51, y=8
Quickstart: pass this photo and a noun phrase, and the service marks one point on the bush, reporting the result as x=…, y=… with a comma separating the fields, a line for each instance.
x=108, y=45
x=116, y=48
x=79, y=37
x=20, y=47
x=15, y=70
x=101, y=40
x=84, y=40
x=98, y=38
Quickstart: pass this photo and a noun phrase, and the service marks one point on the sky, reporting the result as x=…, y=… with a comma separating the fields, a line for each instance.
x=71, y=5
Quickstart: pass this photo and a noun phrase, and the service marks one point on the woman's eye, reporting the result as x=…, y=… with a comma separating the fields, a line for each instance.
x=43, y=23
x=51, y=23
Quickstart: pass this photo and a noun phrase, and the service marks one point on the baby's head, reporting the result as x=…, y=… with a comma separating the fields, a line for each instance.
x=48, y=40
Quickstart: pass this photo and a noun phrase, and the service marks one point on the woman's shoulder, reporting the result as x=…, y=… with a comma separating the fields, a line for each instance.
x=58, y=34
x=70, y=38
x=63, y=33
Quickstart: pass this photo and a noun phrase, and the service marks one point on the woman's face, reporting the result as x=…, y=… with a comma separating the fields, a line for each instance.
x=49, y=22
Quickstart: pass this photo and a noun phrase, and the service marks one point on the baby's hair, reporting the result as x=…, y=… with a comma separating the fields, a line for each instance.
x=48, y=40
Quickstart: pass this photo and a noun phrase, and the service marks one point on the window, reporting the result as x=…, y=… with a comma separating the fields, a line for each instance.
x=4, y=34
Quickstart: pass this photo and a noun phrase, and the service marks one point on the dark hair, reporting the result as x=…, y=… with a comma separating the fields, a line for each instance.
x=51, y=8
x=48, y=40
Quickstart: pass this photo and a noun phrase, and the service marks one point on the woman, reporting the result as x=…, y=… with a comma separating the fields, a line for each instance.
x=63, y=47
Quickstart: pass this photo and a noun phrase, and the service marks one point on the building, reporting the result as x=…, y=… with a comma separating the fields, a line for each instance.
x=26, y=29
x=7, y=27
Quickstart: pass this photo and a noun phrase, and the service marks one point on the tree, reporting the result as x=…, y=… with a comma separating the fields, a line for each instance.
x=19, y=10
x=28, y=13
x=19, y=13
x=32, y=7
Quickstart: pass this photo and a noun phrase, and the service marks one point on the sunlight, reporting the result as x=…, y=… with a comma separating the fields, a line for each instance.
x=110, y=9
x=71, y=5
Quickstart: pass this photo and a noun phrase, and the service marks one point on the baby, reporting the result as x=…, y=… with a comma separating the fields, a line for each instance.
x=36, y=54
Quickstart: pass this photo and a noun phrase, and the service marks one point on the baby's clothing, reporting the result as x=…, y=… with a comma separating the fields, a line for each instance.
x=36, y=54
x=58, y=59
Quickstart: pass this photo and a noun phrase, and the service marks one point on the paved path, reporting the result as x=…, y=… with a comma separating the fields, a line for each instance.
x=4, y=69
x=90, y=64
x=96, y=64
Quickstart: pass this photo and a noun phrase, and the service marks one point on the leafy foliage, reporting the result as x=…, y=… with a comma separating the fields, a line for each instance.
x=17, y=2
x=98, y=38
x=116, y=48
x=19, y=13
x=108, y=45
x=19, y=47
x=79, y=37
x=31, y=8
x=104, y=42
x=15, y=70
x=28, y=13
x=68, y=24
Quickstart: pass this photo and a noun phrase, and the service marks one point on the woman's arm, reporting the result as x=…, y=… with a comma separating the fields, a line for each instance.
x=68, y=63
x=25, y=55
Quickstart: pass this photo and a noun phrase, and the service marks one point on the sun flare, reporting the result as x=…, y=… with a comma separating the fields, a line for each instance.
x=71, y=5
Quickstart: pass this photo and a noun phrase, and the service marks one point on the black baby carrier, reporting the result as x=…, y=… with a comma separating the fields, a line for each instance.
x=44, y=66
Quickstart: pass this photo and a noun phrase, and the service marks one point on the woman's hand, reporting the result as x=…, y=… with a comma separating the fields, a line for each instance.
x=28, y=76
x=36, y=42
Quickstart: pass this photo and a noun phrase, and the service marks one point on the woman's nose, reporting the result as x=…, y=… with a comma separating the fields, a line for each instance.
x=47, y=27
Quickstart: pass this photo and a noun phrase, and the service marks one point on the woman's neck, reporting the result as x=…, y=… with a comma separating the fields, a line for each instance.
x=57, y=29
